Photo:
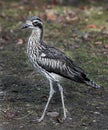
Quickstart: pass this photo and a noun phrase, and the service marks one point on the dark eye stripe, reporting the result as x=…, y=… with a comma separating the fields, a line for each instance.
x=37, y=24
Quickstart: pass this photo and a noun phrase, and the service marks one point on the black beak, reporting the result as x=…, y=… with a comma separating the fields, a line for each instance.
x=25, y=26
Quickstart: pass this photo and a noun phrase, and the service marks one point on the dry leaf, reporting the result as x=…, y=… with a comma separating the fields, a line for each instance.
x=6, y=37
x=9, y=114
x=50, y=15
x=98, y=43
x=106, y=46
x=20, y=41
x=91, y=26
x=101, y=27
x=60, y=120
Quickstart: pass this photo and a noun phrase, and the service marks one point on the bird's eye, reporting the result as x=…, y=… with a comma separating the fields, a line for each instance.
x=35, y=23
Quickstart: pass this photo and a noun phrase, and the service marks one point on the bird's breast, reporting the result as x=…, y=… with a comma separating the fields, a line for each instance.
x=32, y=51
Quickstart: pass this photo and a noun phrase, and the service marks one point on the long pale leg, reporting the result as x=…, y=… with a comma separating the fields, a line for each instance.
x=62, y=98
x=49, y=98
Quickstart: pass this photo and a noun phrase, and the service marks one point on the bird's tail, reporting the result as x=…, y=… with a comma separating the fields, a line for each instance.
x=92, y=83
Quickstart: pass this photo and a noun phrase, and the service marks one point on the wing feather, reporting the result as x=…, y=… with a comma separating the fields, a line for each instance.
x=55, y=61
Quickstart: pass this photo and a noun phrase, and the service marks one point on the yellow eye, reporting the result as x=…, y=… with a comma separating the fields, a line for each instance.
x=35, y=23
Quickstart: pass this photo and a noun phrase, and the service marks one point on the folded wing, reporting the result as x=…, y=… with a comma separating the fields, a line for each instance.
x=54, y=61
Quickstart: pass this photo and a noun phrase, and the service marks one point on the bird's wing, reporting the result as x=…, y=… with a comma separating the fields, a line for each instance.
x=55, y=61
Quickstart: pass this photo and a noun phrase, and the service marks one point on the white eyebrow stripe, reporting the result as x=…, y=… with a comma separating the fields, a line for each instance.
x=37, y=21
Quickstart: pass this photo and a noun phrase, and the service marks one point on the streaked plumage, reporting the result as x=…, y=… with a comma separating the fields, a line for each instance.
x=50, y=61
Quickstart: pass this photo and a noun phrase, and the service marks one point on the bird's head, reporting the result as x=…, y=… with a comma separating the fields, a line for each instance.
x=33, y=23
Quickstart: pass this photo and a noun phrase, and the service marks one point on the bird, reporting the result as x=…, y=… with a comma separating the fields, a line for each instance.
x=52, y=62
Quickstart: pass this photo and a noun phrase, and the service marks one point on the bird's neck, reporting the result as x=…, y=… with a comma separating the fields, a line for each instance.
x=37, y=34
x=35, y=40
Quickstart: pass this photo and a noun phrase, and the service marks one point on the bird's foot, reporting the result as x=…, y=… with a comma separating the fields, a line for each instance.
x=64, y=118
x=61, y=120
x=65, y=111
x=40, y=119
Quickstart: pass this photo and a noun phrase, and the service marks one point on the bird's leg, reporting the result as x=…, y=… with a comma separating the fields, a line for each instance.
x=62, y=98
x=49, y=98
